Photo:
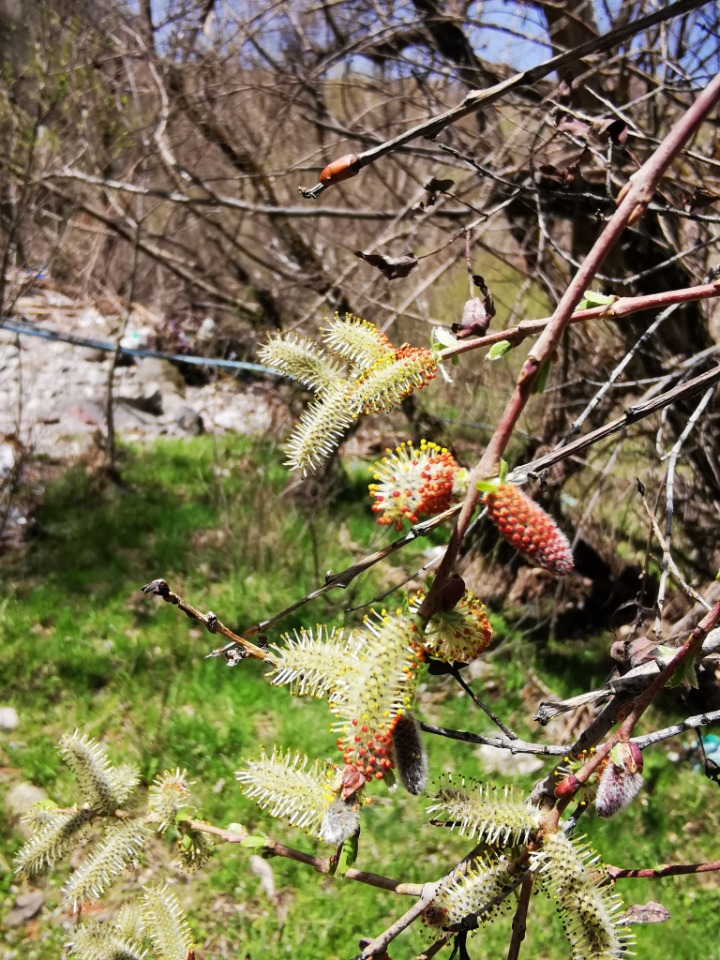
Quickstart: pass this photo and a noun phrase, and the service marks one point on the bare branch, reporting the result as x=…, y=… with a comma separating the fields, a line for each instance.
x=484, y=98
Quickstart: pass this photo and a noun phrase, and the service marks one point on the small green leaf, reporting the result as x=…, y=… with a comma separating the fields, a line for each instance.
x=348, y=855
x=541, y=378
x=717, y=575
x=503, y=470
x=486, y=486
x=685, y=673
x=444, y=336
x=591, y=298
x=498, y=350
x=254, y=841
x=389, y=779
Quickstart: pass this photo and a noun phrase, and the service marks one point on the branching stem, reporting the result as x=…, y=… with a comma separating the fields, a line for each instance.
x=632, y=203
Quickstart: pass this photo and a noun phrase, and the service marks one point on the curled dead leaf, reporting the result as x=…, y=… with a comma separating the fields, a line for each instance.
x=394, y=268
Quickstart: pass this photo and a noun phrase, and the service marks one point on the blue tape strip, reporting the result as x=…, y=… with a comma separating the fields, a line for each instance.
x=29, y=330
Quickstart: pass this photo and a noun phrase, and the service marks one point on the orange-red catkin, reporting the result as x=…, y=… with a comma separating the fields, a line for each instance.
x=529, y=529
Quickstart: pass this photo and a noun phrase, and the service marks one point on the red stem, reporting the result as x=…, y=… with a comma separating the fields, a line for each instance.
x=639, y=706
x=620, y=307
x=667, y=870
x=632, y=202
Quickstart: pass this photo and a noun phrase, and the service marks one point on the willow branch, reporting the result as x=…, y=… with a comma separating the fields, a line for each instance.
x=560, y=750
x=632, y=415
x=519, y=924
x=160, y=588
x=217, y=200
x=666, y=870
x=620, y=307
x=686, y=652
x=478, y=99
x=632, y=203
x=345, y=577
x=378, y=945
x=669, y=564
x=324, y=865
x=501, y=743
x=690, y=723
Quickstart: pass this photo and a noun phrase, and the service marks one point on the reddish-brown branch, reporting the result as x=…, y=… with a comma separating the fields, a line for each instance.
x=211, y=623
x=632, y=203
x=666, y=870
x=639, y=705
x=519, y=924
x=620, y=307
x=478, y=99
x=273, y=848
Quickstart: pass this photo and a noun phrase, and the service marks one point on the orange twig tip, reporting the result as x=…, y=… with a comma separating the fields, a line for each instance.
x=341, y=169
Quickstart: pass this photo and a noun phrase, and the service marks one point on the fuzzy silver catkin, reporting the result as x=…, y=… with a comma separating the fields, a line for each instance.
x=166, y=924
x=119, y=846
x=311, y=662
x=340, y=822
x=569, y=872
x=101, y=941
x=356, y=340
x=281, y=784
x=103, y=787
x=486, y=880
x=55, y=834
x=483, y=812
x=301, y=359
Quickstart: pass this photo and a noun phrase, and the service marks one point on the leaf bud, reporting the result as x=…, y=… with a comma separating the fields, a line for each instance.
x=567, y=786
x=621, y=780
x=341, y=169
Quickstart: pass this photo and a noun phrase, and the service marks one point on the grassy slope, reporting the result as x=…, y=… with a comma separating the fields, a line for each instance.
x=81, y=647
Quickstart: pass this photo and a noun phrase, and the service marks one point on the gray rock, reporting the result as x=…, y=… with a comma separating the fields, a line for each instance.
x=190, y=421
x=244, y=415
x=164, y=375
x=8, y=718
x=21, y=797
x=8, y=458
x=27, y=905
x=495, y=760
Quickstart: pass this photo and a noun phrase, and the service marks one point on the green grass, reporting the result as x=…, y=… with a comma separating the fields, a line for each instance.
x=82, y=647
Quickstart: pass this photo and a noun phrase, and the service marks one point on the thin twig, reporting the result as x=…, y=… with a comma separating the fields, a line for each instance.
x=620, y=307
x=631, y=205
x=345, y=577
x=378, y=945
x=110, y=444
x=576, y=425
x=666, y=870
x=478, y=99
x=501, y=743
x=519, y=924
x=633, y=414
x=455, y=673
x=324, y=865
x=690, y=723
x=211, y=623
x=668, y=562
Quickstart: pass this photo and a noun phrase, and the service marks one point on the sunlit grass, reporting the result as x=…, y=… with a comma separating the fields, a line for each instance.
x=82, y=647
